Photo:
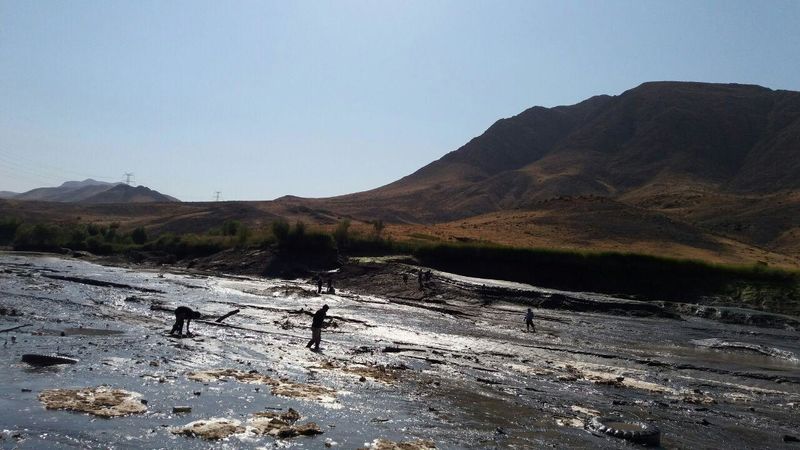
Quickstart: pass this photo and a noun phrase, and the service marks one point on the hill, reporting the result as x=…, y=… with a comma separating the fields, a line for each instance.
x=122, y=193
x=92, y=191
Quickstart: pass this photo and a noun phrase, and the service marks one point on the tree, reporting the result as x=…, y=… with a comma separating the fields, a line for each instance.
x=341, y=233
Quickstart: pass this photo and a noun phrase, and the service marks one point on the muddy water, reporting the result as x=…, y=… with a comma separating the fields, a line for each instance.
x=475, y=380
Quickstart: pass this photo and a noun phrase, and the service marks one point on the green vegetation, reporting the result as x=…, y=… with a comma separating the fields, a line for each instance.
x=644, y=276
x=635, y=275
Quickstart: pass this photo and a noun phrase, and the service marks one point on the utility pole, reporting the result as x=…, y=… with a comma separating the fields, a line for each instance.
x=128, y=176
x=216, y=195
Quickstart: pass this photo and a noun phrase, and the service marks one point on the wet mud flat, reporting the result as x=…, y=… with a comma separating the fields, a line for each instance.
x=448, y=365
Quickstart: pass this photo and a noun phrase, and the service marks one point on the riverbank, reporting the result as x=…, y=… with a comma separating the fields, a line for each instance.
x=446, y=364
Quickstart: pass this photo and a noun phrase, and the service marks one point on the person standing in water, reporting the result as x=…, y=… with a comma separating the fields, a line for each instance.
x=319, y=284
x=316, y=327
x=331, y=290
x=529, y=321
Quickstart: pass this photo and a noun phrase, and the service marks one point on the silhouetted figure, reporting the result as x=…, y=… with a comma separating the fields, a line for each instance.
x=529, y=321
x=183, y=313
x=428, y=275
x=316, y=327
x=405, y=278
x=331, y=290
x=319, y=285
x=419, y=279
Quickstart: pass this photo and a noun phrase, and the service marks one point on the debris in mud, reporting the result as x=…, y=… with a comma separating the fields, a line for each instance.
x=570, y=422
x=696, y=397
x=46, y=360
x=210, y=429
x=304, y=391
x=376, y=372
x=282, y=387
x=290, y=416
x=585, y=411
x=719, y=344
x=282, y=425
x=181, y=409
x=384, y=444
x=90, y=332
x=252, y=377
x=638, y=432
x=100, y=283
x=99, y=401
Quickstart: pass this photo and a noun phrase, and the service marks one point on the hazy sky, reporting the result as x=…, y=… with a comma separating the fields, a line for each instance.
x=261, y=99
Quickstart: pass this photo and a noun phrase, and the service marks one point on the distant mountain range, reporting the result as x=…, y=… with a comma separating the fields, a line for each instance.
x=91, y=191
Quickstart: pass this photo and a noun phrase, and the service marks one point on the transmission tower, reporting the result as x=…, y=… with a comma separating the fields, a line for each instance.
x=128, y=176
x=216, y=195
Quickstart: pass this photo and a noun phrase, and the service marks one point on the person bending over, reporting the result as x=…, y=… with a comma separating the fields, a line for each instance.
x=183, y=313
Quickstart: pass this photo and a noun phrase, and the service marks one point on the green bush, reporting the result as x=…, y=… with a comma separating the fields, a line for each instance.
x=139, y=235
x=8, y=229
x=39, y=237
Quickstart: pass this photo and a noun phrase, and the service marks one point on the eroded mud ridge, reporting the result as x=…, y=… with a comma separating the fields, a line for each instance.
x=448, y=365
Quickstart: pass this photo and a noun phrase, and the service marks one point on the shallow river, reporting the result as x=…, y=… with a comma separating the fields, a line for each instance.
x=476, y=380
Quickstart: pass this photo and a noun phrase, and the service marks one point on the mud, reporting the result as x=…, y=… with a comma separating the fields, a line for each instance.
x=447, y=365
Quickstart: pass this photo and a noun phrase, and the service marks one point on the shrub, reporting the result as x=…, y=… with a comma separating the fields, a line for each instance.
x=280, y=229
x=340, y=234
x=8, y=229
x=231, y=227
x=41, y=237
x=139, y=236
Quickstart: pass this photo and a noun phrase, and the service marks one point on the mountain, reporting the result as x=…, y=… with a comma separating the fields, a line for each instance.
x=122, y=193
x=737, y=139
x=722, y=159
x=93, y=191
x=70, y=191
x=7, y=194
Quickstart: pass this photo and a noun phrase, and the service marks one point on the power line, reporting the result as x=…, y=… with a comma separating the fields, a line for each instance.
x=128, y=176
x=216, y=195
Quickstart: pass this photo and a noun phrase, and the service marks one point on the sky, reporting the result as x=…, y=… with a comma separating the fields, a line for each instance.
x=259, y=99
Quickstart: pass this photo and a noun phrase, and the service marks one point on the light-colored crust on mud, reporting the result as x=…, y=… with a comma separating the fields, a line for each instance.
x=99, y=401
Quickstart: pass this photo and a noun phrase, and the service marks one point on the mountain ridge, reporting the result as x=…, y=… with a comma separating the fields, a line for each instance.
x=92, y=191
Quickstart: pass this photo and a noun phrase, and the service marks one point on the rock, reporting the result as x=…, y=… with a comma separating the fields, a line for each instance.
x=790, y=438
x=99, y=401
x=25, y=390
x=181, y=409
x=198, y=393
x=154, y=363
x=362, y=379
